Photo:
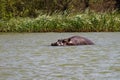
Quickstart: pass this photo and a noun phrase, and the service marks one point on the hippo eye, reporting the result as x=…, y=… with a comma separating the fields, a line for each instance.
x=59, y=40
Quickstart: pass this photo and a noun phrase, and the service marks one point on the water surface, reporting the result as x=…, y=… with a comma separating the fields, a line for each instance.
x=29, y=56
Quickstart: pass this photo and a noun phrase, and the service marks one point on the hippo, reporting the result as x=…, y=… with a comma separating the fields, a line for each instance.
x=73, y=41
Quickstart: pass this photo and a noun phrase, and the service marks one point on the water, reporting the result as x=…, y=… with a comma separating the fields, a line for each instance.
x=29, y=56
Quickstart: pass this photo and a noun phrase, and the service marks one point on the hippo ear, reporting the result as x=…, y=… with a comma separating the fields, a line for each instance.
x=70, y=41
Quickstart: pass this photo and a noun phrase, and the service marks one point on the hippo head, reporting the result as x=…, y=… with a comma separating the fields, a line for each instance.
x=60, y=42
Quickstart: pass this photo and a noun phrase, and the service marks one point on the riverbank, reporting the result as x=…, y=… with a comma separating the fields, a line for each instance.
x=84, y=22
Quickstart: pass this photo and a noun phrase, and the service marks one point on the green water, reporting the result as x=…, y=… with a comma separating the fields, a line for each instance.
x=29, y=56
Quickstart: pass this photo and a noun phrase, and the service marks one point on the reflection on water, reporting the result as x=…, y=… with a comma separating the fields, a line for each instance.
x=28, y=56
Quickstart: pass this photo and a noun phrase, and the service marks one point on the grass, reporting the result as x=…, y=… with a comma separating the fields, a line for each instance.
x=84, y=22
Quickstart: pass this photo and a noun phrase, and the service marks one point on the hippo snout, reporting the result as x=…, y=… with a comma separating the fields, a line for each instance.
x=54, y=44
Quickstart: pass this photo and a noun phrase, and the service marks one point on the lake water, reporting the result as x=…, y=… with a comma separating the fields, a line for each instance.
x=29, y=56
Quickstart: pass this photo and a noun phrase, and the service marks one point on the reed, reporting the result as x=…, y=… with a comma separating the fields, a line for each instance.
x=84, y=22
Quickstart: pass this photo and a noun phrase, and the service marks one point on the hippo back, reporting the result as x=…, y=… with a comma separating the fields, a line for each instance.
x=78, y=40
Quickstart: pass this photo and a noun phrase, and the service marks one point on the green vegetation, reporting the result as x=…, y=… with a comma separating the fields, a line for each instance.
x=59, y=15
x=84, y=22
x=32, y=8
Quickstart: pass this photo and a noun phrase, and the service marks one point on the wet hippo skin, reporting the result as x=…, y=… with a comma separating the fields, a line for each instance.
x=73, y=41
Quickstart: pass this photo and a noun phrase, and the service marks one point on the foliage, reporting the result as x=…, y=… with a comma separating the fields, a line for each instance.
x=59, y=15
x=32, y=8
x=84, y=22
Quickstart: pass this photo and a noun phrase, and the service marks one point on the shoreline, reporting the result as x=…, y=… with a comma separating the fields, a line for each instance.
x=84, y=22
